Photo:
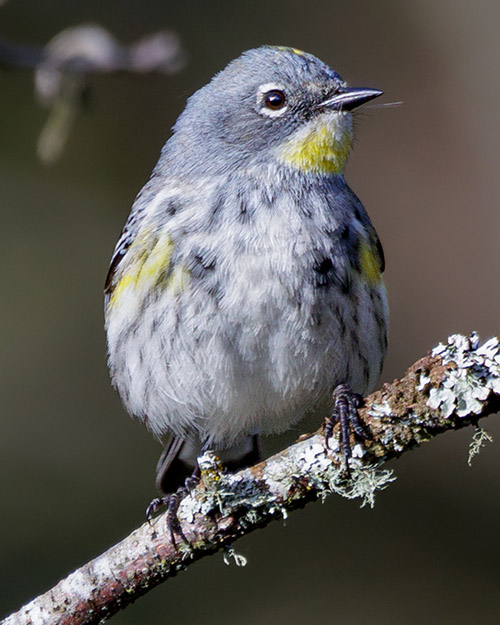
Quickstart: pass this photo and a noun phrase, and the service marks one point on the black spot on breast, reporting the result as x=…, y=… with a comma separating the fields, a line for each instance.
x=202, y=267
x=306, y=211
x=201, y=264
x=169, y=206
x=244, y=213
x=218, y=205
x=267, y=196
x=316, y=319
x=345, y=233
x=324, y=266
x=324, y=274
x=216, y=291
x=342, y=326
x=346, y=286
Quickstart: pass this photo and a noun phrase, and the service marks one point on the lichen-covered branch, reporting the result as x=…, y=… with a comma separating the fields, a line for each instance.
x=453, y=386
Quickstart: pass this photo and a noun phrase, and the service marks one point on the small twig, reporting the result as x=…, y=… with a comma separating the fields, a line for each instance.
x=62, y=71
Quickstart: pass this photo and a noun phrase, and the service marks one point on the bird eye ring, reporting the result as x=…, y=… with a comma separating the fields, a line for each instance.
x=274, y=100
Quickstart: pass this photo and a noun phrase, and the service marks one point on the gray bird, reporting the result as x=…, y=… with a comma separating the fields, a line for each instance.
x=246, y=285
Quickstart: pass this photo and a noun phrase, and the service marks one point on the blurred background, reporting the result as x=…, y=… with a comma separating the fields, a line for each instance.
x=77, y=472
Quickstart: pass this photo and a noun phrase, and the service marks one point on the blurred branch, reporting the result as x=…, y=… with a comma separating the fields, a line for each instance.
x=13, y=55
x=452, y=387
x=62, y=69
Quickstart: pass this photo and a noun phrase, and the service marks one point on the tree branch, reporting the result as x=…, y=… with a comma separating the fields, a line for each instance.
x=64, y=65
x=454, y=386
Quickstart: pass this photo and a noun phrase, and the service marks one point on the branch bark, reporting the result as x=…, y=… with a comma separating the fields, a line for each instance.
x=454, y=386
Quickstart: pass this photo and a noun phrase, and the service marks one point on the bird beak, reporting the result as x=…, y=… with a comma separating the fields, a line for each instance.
x=350, y=98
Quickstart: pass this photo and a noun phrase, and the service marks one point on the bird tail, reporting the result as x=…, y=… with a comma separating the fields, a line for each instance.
x=178, y=460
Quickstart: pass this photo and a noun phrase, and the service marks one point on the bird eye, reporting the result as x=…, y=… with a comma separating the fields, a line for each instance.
x=274, y=100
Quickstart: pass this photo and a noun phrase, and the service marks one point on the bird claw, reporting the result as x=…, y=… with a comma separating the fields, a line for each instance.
x=345, y=412
x=154, y=505
x=172, y=502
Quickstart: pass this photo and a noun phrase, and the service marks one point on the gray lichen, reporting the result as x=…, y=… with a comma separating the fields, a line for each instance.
x=475, y=376
x=364, y=483
x=255, y=498
x=378, y=411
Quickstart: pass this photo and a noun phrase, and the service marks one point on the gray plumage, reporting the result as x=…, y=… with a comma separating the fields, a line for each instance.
x=242, y=290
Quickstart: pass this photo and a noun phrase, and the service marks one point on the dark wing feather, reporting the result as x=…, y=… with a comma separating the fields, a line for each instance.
x=130, y=230
x=120, y=251
x=380, y=251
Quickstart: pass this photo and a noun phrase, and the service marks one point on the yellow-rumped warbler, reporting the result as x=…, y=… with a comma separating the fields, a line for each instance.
x=246, y=285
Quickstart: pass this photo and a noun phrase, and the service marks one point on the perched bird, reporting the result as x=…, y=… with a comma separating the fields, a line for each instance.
x=245, y=291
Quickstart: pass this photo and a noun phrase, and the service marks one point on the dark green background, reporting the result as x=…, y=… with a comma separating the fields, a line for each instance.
x=77, y=473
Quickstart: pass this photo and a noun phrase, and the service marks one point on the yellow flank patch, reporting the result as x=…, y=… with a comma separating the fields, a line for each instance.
x=144, y=268
x=125, y=282
x=320, y=148
x=369, y=264
x=157, y=261
x=178, y=280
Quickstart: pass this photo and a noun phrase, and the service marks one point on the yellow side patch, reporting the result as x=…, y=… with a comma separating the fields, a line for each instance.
x=178, y=280
x=145, y=268
x=157, y=261
x=369, y=264
x=126, y=281
x=318, y=149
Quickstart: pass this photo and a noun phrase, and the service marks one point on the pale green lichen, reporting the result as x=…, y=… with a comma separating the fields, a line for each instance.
x=327, y=477
x=479, y=440
x=476, y=375
x=363, y=483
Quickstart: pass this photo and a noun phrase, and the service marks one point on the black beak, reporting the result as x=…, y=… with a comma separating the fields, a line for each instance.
x=350, y=98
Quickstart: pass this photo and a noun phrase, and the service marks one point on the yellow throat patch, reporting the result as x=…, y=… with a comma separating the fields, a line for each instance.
x=323, y=146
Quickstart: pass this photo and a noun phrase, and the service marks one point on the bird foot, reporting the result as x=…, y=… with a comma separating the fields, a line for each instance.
x=172, y=503
x=345, y=412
